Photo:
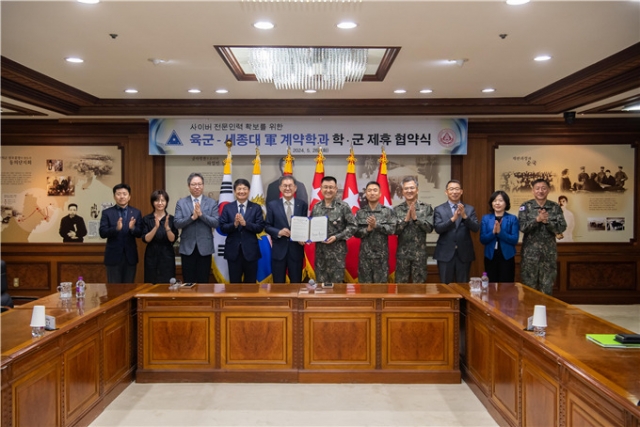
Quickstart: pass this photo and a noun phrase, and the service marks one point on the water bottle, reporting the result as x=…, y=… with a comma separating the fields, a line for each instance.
x=80, y=288
x=485, y=281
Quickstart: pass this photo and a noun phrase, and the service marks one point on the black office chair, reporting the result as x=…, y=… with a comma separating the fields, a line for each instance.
x=7, y=302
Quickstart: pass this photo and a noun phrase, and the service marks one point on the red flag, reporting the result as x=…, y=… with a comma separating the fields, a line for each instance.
x=385, y=199
x=310, y=248
x=350, y=196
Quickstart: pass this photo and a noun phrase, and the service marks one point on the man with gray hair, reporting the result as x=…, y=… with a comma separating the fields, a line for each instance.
x=415, y=220
x=197, y=216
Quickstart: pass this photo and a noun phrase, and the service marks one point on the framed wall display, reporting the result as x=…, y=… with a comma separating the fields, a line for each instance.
x=56, y=194
x=594, y=184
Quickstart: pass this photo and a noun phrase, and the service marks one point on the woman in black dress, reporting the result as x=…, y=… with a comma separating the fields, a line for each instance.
x=159, y=232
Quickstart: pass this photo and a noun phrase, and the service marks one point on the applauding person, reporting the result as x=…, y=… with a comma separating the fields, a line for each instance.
x=499, y=235
x=159, y=233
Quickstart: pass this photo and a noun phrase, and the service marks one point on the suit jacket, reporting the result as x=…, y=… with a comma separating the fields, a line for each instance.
x=120, y=244
x=242, y=237
x=276, y=221
x=454, y=235
x=200, y=231
x=508, y=236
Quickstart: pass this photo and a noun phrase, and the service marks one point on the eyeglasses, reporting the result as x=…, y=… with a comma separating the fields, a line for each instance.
x=196, y=185
x=288, y=185
x=454, y=189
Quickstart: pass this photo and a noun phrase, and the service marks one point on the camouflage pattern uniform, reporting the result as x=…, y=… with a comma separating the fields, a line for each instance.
x=330, y=258
x=539, y=252
x=373, y=265
x=411, y=255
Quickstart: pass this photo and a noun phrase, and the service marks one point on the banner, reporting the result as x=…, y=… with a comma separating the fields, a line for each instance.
x=304, y=135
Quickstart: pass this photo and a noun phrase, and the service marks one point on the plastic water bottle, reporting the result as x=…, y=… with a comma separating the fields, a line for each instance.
x=80, y=287
x=485, y=281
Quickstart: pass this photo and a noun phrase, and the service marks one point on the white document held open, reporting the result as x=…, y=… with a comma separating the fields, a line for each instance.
x=305, y=229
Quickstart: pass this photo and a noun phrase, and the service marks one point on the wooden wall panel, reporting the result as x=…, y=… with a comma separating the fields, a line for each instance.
x=601, y=275
x=32, y=276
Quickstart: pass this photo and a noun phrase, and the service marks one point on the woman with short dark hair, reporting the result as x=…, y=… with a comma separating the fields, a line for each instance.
x=159, y=233
x=499, y=233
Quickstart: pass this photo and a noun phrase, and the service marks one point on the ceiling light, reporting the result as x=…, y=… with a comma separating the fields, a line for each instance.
x=131, y=90
x=399, y=91
x=157, y=61
x=222, y=91
x=194, y=91
x=263, y=25
x=426, y=91
x=74, y=60
x=310, y=91
x=517, y=2
x=635, y=107
x=347, y=25
x=542, y=58
x=300, y=68
x=89, y=1
x=488, y=90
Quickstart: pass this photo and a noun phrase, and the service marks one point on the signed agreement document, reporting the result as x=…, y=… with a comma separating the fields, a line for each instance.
x=305, y=229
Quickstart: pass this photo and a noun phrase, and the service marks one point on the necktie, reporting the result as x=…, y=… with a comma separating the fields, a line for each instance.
x=241, y=209
x=289, y=212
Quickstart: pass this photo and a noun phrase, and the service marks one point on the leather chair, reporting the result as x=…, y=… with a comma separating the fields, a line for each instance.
x=6, y=302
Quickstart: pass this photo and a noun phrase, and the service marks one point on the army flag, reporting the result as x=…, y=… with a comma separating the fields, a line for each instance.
x=385, y=200
x=350, y=196
x=256, y=195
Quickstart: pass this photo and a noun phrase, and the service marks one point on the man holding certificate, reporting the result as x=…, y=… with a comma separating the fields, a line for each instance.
x=287, y=255
x=341, y=225
x=375, y=223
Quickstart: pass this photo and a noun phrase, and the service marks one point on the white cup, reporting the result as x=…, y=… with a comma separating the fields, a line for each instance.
x=37, y=321
x=539, y=322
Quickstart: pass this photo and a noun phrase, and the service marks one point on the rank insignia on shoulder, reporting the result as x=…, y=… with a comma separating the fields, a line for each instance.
x=522, y=208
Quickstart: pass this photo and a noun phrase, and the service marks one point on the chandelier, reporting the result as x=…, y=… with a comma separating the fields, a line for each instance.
x=305, y=68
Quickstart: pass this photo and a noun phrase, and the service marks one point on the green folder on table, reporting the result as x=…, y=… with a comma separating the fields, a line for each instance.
x=607, y=340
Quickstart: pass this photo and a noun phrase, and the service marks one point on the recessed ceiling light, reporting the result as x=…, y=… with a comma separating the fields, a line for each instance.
x=74, y=59
x=347, y=25
x=310, y=91
x=131, y=90
x=517, y=2
x=263, y=25
x=222, y=91
x=89, y=1
x=542, y=58
x=399, y=91
x=632, y=108
x=488, y=90
x=194, y=91
x=426, y=91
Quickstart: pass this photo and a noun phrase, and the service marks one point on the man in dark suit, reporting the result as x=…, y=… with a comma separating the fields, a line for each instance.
x=286, y=256
x=241, y=221
x=273, y=189
x=120, y=225
x=454, y=222
x=197, y=216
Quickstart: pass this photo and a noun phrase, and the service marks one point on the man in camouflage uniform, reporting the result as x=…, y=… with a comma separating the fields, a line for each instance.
x=375, y=223
x=541, y=220
x=331, y=254
x=415, y=220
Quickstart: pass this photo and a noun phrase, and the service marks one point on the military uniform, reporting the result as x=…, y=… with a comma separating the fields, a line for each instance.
x=411, y=255
x=373, y=265
x=539, y=251
x=330, y=258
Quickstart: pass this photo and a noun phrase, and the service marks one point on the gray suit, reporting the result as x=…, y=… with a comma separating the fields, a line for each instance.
x=196, y=238
x=454, y=249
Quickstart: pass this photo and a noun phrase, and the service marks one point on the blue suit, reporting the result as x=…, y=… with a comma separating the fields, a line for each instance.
x=507, y=238
x=285, y=254
x=120, y=252
x=454, y=248
x=499, y=263
x=196, y=238
x=241, y=248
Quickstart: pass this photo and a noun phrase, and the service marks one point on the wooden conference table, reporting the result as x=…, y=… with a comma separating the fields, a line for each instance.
x=281, y=333
x=68, y=376
x=559, y=380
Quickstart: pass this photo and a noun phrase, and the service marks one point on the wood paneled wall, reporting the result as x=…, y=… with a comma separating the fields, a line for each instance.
x=587, y=273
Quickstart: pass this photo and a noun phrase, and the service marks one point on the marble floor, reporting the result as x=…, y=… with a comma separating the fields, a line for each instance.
x=314, y=404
